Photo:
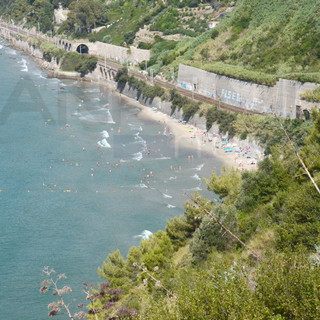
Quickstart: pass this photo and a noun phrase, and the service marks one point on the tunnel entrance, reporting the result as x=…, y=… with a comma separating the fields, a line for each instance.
x=306, y=114
x=83, y=49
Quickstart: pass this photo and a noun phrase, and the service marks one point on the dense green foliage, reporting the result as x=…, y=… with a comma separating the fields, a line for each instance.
x=68, y=61
x=125, y=19
x=84, y=16
x=197, y=270
x=263, y=129
x=262, y=41
x=258, y=41
x=38, y=13
x=50, y=51
x=147, y=91
x=82, y=63
x=311, y=95
x=189, y=107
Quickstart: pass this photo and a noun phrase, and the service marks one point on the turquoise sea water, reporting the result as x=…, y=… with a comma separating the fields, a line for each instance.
x=80, y=176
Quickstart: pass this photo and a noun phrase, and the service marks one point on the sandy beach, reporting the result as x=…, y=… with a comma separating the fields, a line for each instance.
x=185, y=135
x=188, y=136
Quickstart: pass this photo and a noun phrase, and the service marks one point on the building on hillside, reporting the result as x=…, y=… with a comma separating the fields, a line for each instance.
x=213, y=24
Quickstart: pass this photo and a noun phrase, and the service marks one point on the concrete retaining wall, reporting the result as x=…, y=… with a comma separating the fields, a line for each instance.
x=283, y=98
x=110, y=51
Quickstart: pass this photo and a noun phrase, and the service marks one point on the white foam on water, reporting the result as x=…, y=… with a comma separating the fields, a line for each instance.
x=104, y=134
x=142, y=186
x=11, y=52
x=173, y=178
x=141, y=141
x=1, y=46
x=145, y=234
x=123, y=161
x=137, y=156
x=135, y=127
x=199, y=167
x=39, y=75
x=98, y=116
x=109, y=118
x=196, y=177
x=24, y=65
x=53, y=79
x=170, y=206
x=104, y=143
x=194, y=189
x=167, y=196
x=163, y=158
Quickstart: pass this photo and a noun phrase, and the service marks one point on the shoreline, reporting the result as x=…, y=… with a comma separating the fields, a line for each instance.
x=191, y=137
x=185, y=135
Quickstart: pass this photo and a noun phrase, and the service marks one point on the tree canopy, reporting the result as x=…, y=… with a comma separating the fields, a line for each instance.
x=84, y=16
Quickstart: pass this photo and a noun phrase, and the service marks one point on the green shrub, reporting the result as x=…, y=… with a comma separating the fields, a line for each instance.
x=145, y=45
x=210, y=234
x=181, y=228
x=288, y=285
x=82, y=63
x=169, y=20
x=122, y=77
x=224, y=119
x=311, y=95
x=189, y=107
x=214, y=33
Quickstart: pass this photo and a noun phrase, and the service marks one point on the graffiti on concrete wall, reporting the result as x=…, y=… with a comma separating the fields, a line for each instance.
x=208, y=93
x=185, y=85
x=255, y=104
x=231, y=97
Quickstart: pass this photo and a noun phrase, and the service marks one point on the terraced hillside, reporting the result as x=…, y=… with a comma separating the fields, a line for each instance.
x=261, y=38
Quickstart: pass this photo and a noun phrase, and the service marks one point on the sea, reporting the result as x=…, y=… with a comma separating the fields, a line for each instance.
x=81, y=175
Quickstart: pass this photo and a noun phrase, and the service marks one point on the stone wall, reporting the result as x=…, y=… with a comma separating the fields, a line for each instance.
x=283, y=98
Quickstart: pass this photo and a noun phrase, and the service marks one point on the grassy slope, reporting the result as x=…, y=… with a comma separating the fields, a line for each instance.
x=274, y=37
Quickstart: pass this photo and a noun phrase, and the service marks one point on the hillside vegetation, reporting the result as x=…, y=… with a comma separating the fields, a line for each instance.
x=255, y=40
x=263, y=40
x=252, y=254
